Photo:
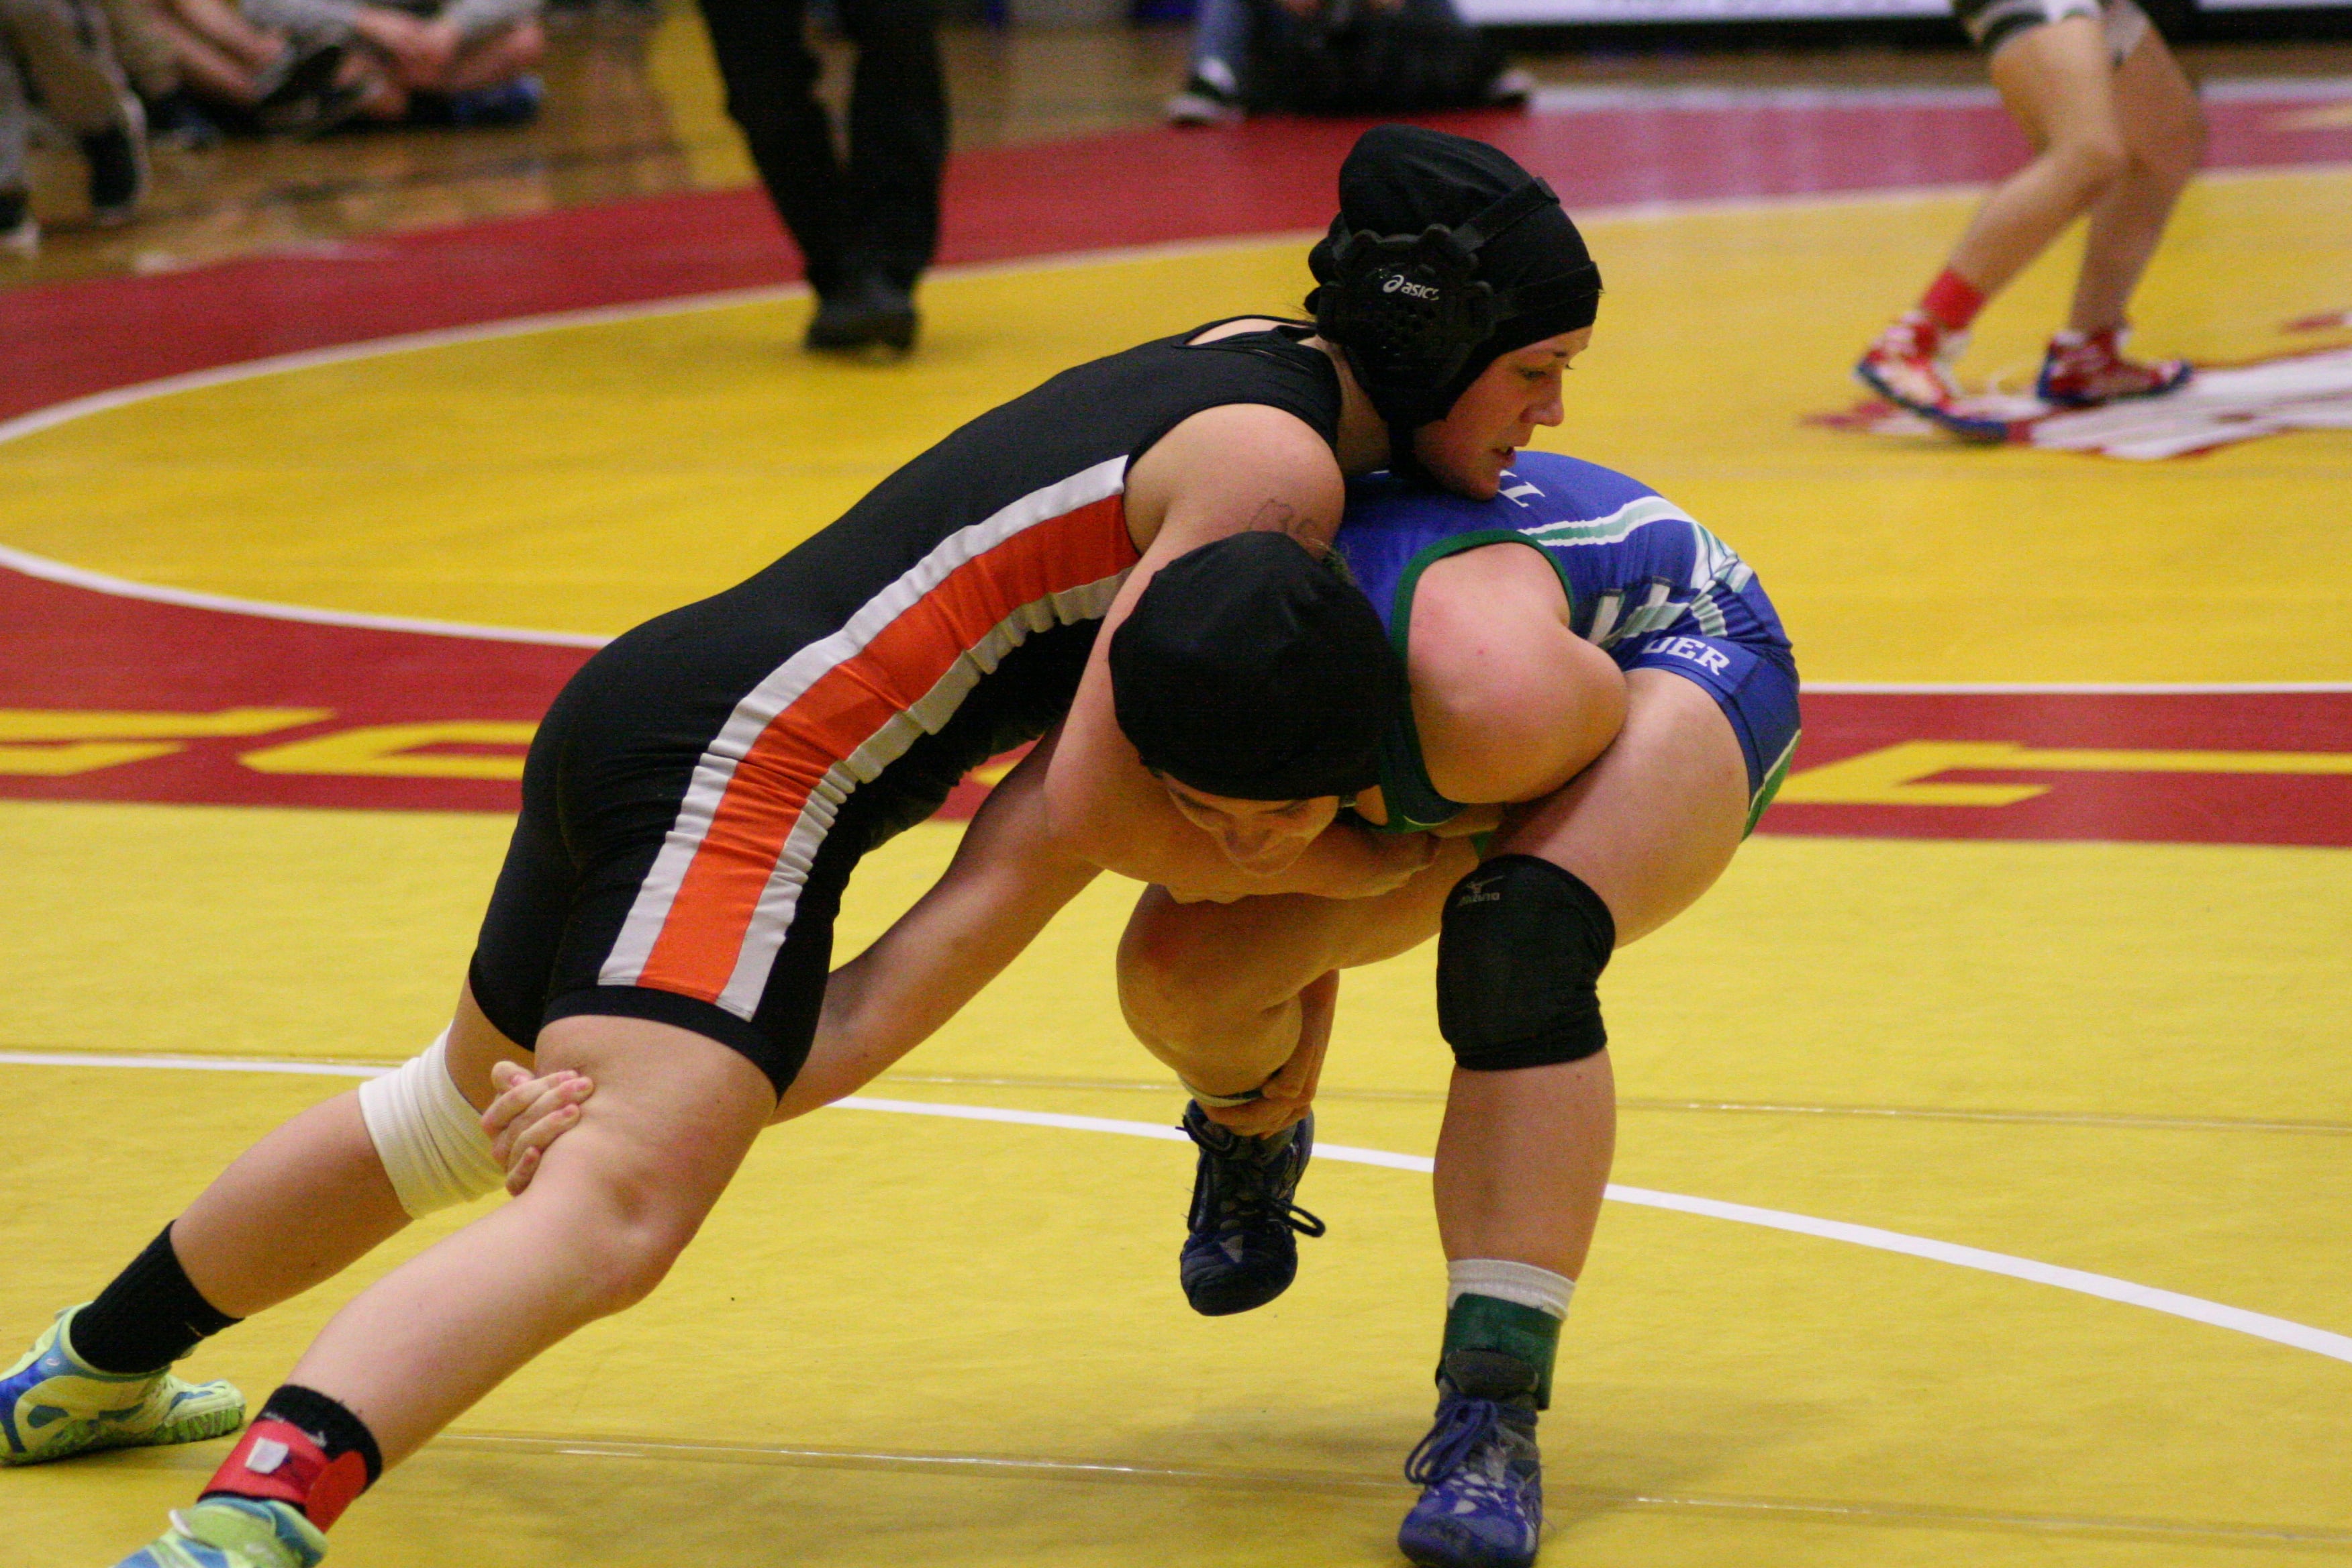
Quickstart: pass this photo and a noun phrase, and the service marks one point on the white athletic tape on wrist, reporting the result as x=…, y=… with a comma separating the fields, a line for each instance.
x=429, y=1138
x=1507, y=1281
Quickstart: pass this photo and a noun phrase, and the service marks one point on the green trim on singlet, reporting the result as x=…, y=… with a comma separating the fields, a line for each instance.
x=1412, y=801
x=1773, y=776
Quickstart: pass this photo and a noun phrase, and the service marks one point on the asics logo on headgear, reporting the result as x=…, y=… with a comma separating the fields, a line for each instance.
x=1397, y=283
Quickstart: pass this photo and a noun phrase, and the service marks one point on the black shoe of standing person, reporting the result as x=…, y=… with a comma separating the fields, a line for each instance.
x=118, y=168
x=867, y=311
x=19, y=230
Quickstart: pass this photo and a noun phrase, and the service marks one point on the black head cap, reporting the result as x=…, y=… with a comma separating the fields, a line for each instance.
x=1252, y=670
x=1445, y=255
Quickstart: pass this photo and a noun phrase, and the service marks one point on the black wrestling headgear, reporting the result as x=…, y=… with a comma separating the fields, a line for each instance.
x=1445, y=255
x=1249, y=668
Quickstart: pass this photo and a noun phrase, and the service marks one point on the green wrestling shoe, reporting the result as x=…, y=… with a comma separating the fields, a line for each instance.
x=52, y=1406
x=234, y=1532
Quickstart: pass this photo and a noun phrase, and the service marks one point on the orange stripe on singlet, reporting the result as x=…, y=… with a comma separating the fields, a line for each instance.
x=703, y=936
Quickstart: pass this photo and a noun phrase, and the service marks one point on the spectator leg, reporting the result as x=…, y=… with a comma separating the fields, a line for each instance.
x=2164, y=134
x=498, y=57
x=382, y=98
x=770, y=76
x=16, y=123
x=63, y=50
x=897, y=136
x=226, y=29
x=213, y=71
x=314, y=21
x=2058, y=84
x=1221, y=43
x=140, y=44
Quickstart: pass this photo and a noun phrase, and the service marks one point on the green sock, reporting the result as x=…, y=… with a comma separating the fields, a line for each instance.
x=1478, y=1322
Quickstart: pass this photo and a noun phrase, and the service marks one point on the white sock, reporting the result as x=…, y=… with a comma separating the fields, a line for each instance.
x=1507, y=1281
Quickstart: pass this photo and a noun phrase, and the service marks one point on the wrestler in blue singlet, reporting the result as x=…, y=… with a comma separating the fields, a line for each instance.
x=1645, y=584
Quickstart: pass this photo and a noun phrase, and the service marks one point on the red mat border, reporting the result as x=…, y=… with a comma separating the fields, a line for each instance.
x=63, y=341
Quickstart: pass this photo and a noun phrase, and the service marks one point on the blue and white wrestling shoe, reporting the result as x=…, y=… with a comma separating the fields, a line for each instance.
x=1242, y=1251
x=1481, y=1477
x=234, y=1532
x=52, y=1406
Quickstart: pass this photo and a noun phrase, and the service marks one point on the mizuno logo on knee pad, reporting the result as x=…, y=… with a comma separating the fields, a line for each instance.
x=1522, y=945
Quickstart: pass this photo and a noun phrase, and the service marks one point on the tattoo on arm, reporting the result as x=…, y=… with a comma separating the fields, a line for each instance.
x=1280, y=517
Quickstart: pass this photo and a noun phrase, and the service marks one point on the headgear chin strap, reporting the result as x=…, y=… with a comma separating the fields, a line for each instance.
x=1412, y=308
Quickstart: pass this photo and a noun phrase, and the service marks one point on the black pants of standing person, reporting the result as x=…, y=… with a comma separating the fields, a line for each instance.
x=867, y=228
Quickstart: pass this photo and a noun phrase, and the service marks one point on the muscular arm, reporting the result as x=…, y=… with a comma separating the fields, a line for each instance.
x=1510, y=703
x=1222, y=471
x=1009, y=877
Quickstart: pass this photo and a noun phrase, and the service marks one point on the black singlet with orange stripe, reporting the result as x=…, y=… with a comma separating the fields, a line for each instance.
x=698, y=792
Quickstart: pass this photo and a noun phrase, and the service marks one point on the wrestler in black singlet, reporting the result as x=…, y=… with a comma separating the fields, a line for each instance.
x=699, y=791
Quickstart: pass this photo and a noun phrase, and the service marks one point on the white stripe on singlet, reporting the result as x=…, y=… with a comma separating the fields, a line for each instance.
x=773, y=921
x=784, y=687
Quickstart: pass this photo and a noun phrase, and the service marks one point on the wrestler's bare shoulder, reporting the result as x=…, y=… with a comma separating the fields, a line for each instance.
x=1248, y=460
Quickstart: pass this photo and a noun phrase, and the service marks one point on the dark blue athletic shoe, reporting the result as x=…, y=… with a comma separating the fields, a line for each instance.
x=1481, y=1477
x=1242, y=1251
x=515, y=102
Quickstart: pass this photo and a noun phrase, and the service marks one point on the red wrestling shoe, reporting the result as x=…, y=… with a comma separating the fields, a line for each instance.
x=2083, y=370
x=1910, y=366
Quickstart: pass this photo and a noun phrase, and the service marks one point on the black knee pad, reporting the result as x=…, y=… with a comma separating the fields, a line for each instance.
x=1522, y=945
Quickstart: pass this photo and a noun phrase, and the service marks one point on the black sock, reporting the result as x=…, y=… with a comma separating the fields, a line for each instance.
x=149, y=1318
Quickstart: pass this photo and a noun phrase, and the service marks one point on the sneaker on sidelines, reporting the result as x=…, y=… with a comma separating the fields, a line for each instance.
x=234, y=1532
x=1511, y=89
x=1481, y=1477
x=1243, y=1250
x=19, y=231
x=53, y=1405
x=2081, y=370
x=515, y=102
x=118, y=165
x=1910, y=366
x=1203, y=102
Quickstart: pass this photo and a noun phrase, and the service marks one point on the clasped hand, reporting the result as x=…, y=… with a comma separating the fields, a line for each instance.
x=530, y=1112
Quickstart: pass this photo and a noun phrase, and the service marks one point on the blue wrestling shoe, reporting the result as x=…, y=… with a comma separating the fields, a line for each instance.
x=1242, y=1251
x=234, y=1532
x=53, y=1406
x=1481, y=1477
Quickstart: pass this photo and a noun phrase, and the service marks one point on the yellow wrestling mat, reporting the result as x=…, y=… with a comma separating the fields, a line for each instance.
x=933, y=1341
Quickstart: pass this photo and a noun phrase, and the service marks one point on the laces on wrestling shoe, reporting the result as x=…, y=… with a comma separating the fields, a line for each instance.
x=1243, y=1250
x=1479, y=1471
x=1910, y=365
x=2083, y=370
x=53, y=1405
